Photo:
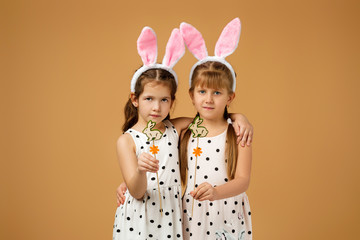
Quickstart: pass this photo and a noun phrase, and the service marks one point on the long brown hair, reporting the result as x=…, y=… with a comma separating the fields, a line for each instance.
x=212, y=75
x=156, y=74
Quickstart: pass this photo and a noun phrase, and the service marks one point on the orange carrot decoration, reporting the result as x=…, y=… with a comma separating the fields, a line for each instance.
x=152, y=135
x=198, y=132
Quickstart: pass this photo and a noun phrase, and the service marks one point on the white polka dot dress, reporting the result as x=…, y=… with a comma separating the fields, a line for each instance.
x=228, y=218
x=141, y=219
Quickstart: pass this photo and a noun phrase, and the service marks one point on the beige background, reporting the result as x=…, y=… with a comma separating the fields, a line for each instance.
x=65, y=74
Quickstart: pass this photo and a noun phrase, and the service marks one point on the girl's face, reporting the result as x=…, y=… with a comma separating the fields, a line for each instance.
x=211, y=103
x=154, y=103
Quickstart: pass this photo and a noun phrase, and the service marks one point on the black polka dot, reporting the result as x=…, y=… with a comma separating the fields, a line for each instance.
x=142, y=147
x=168, y=236
x=118, y=230
x=185, y=210
x=187, y=200
x=170, y=224
x=226, y=179
x=153, y=203
x=159, y=226
x=216, y=169
x=208, y=232
x=225, y=202
x=131, y=229
x=178, y=235
x=211, y=223
x=196, y=185
x=176, y=180
x=209, y=141
x=233, y=211
x=233, y=231
x=199, y=204
x=164, y=135
x=207, y=159
x=243, y=203
x=206, y=177
x=161, y=183
x=198, y=167
x=173, y=170
x=137, y=136
x=163, y=167
x=153, y=179
x=236, y=202
x=167, y=213
x=150, y=235
x=169, y=143
x=210, y=204
x=249, y=213
x=217, y=150
x=207, y=213
x=242, y=222
x=152, y=221
x=199, y=223
x=147, y=143
x=128, y=218
x=249, y=232
x=192, y=140
x=140, y=216
x=170, y=155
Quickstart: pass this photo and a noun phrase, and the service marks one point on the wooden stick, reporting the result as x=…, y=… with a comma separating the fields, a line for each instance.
x=197, y=146
x=157, y=178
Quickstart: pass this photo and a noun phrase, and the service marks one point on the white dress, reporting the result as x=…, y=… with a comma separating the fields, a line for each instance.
x=141, y=219
x=228, y=218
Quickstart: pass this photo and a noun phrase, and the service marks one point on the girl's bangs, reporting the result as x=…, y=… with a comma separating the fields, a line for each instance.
x=212, y=79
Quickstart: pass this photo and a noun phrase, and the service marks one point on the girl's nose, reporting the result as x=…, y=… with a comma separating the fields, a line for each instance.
x=156, y=106
x=209, y=98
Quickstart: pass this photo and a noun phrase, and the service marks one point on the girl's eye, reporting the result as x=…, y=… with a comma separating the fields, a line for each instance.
x=165, y=100
x=217, y=93
x=148, y=99
x=201, y=91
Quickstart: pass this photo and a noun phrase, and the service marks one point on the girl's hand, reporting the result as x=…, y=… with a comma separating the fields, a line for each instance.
x=120, y=193
x=204, y=191
x=243, y=129
x=147, y=163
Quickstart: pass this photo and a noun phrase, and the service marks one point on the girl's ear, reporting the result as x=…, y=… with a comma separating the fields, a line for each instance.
x=230, y=99
x=191, y=94
x=134, y=100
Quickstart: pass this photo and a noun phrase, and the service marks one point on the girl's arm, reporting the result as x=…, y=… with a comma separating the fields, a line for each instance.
x=243, y=128
x=134, y=169
x=238, y=185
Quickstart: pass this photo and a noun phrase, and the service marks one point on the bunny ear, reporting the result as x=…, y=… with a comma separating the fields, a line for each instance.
x=228, y=39
x=175, y=49
x=193, y=40
x=147, y=46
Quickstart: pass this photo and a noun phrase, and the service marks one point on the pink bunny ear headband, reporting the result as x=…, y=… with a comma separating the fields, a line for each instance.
x=226, y=45
x=147, y=49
